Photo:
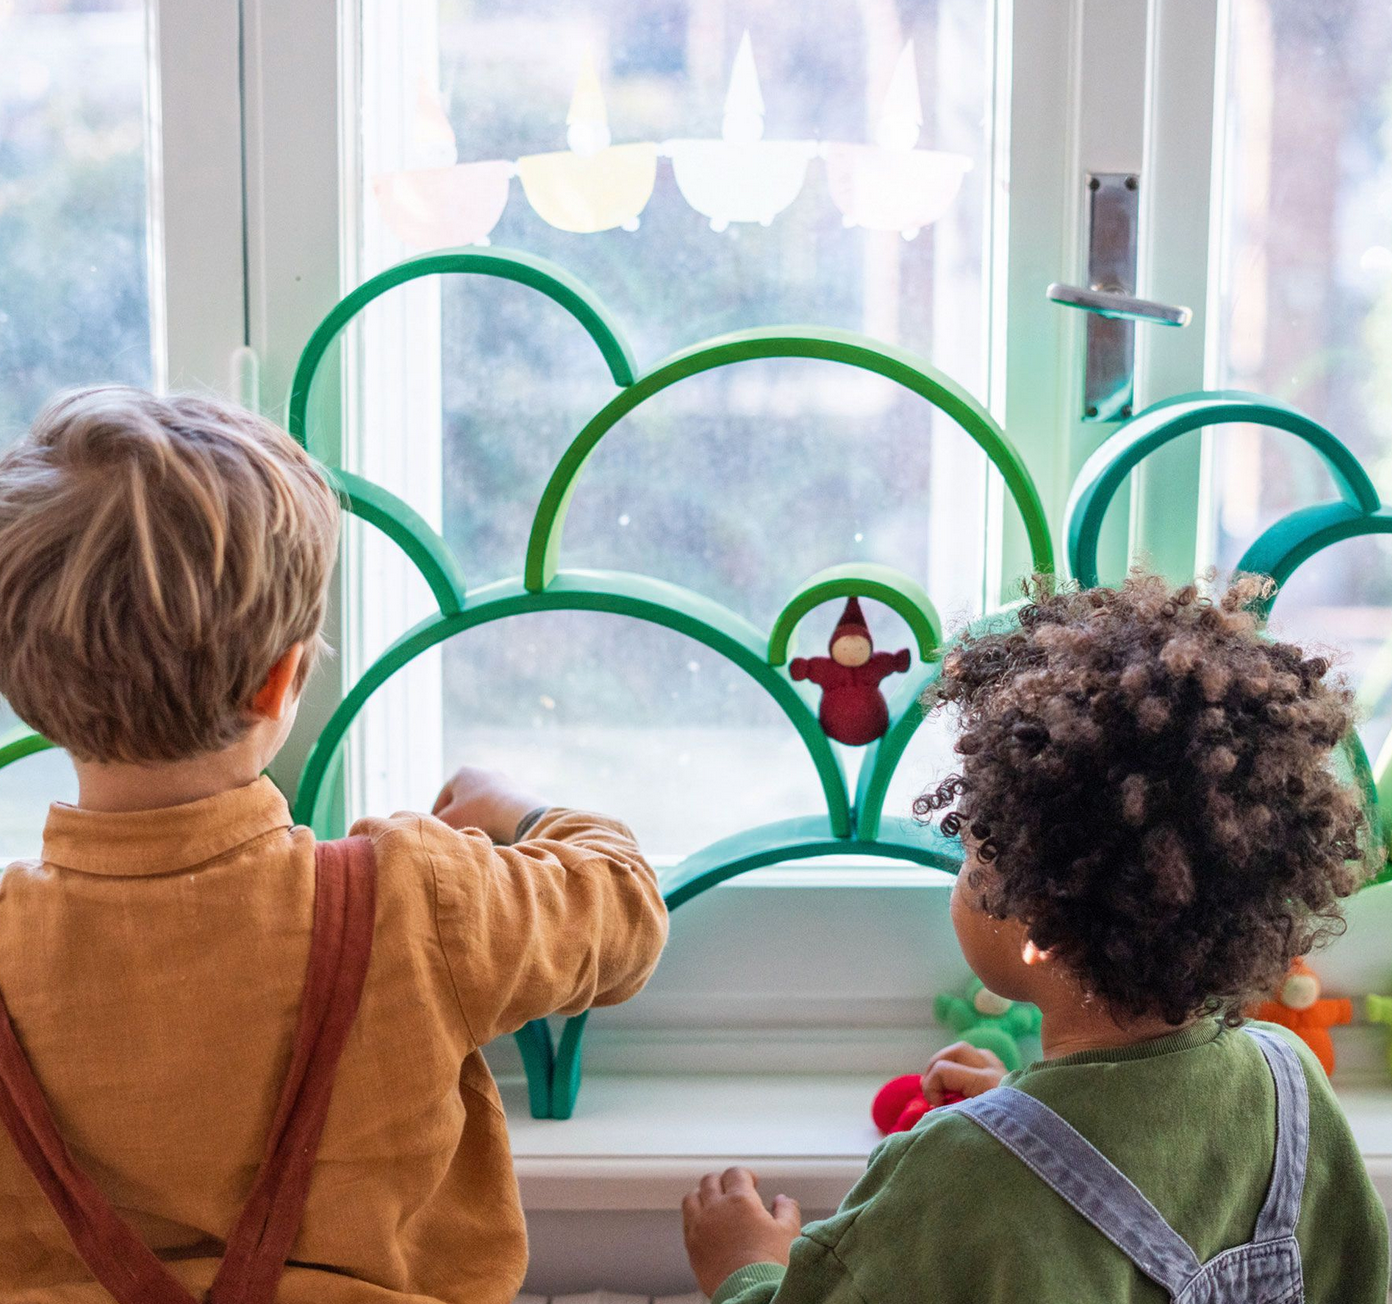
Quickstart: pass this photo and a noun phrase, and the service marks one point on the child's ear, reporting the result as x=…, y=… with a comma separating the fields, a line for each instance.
x=277, y=694
x=1031, y=954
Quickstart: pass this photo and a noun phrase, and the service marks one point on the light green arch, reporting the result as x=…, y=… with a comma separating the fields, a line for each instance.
x=619, y=593
x=881, y=583
x=842, y=347
x=538, y=274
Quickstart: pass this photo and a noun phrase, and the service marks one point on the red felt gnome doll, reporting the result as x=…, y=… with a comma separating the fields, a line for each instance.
x=853, y=711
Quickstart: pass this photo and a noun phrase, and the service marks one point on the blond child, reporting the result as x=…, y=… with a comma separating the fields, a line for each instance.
x=1153, y=832
x=163, y=571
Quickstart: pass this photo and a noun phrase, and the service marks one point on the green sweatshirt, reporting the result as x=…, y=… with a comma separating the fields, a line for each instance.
x=946, y=1215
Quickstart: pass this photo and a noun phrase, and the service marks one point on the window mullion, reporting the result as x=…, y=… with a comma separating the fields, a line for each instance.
x=195, y=169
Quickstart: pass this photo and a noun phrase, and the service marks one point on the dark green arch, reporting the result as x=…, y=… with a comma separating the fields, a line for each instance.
x=882, y=583
x=505, y=264
x=619, y=593
x=1103, y=473
x=843, y=347
x=405, y=527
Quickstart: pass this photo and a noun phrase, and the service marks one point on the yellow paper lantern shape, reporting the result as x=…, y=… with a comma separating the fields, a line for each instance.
x=593, y=185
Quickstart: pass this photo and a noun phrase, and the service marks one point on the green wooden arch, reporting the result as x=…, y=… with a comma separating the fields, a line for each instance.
x=505, y=264
x=19, y=743
x=882, y=757
x=882, y=583
x=843, y=347
x=1283, y=547
x=805, y=838
x=1103, y=473
x=407, y=528
x=616, y=592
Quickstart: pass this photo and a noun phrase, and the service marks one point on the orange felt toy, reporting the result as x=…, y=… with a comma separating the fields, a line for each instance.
x=1299, y=1007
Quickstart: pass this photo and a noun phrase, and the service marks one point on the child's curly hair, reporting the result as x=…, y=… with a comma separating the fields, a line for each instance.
x=1151, y=779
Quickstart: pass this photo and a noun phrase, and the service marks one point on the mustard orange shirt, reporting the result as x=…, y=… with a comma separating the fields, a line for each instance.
x=152, y=963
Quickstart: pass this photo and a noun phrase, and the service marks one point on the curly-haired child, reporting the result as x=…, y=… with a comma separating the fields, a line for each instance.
x=1153, y=832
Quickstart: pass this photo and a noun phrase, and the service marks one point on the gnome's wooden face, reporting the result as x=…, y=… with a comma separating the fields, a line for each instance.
x=851, y=650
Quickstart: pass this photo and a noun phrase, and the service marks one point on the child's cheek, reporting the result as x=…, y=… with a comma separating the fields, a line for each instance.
x=991, y=947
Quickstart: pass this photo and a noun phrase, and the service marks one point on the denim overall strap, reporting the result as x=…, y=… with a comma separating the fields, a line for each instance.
x=1281, y=1211
x=1078, y=1172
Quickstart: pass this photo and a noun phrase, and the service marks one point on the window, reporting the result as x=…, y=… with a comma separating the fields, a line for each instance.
x=1306, y=305
x=74, y=268
x=739, y=483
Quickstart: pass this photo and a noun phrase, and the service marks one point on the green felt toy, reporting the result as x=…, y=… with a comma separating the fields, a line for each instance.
x=1380, y=1011
x=988, y=1021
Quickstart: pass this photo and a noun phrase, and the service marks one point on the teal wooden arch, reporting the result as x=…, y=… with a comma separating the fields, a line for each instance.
x=1283, y=547
x=805, y=838
x=1277, y=552
x=1103, y=473
x=537, y=274
x=843, y=347
x=882, y=583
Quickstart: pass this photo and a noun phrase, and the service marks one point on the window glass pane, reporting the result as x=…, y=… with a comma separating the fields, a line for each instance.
x=831, y=170
x=1306, y=301
x=74, y=286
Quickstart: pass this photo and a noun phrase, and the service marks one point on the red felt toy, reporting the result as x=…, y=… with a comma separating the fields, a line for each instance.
x=854, y=710
x=900, y=1104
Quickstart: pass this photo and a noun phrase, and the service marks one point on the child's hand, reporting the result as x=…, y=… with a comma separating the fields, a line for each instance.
x=727, y=1227
x=963, y=1068
x=475, y=798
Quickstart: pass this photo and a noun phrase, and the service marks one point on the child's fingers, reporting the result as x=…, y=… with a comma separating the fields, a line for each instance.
x=946, y=1076
x=738, y=1181
x=709, y=1187
x=691, y=1206
x=446, y=796
x=963, y=1052
x=788, y=1212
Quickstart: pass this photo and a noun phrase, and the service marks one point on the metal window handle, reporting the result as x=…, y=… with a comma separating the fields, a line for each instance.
x=1120, y=307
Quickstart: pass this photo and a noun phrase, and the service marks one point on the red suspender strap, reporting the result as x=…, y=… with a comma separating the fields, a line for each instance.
x=340, y=947
x=344, y=914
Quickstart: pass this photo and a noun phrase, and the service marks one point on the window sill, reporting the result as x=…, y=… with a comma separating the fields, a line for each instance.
x=639, y=1142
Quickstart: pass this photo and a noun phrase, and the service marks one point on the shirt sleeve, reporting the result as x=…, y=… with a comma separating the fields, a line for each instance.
x=814, y=1275
x=819, y=1269
x=568, y=919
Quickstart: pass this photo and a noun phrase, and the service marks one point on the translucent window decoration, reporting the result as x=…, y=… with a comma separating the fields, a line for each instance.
x=593, y=185
x=442, y=202
x=741, y=177
x=890, y=185
x=599, y=184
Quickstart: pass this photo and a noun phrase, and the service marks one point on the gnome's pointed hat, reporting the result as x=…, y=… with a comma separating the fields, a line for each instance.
x=852, y=623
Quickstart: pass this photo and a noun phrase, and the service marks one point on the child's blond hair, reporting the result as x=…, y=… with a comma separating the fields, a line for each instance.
x=157, y=557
